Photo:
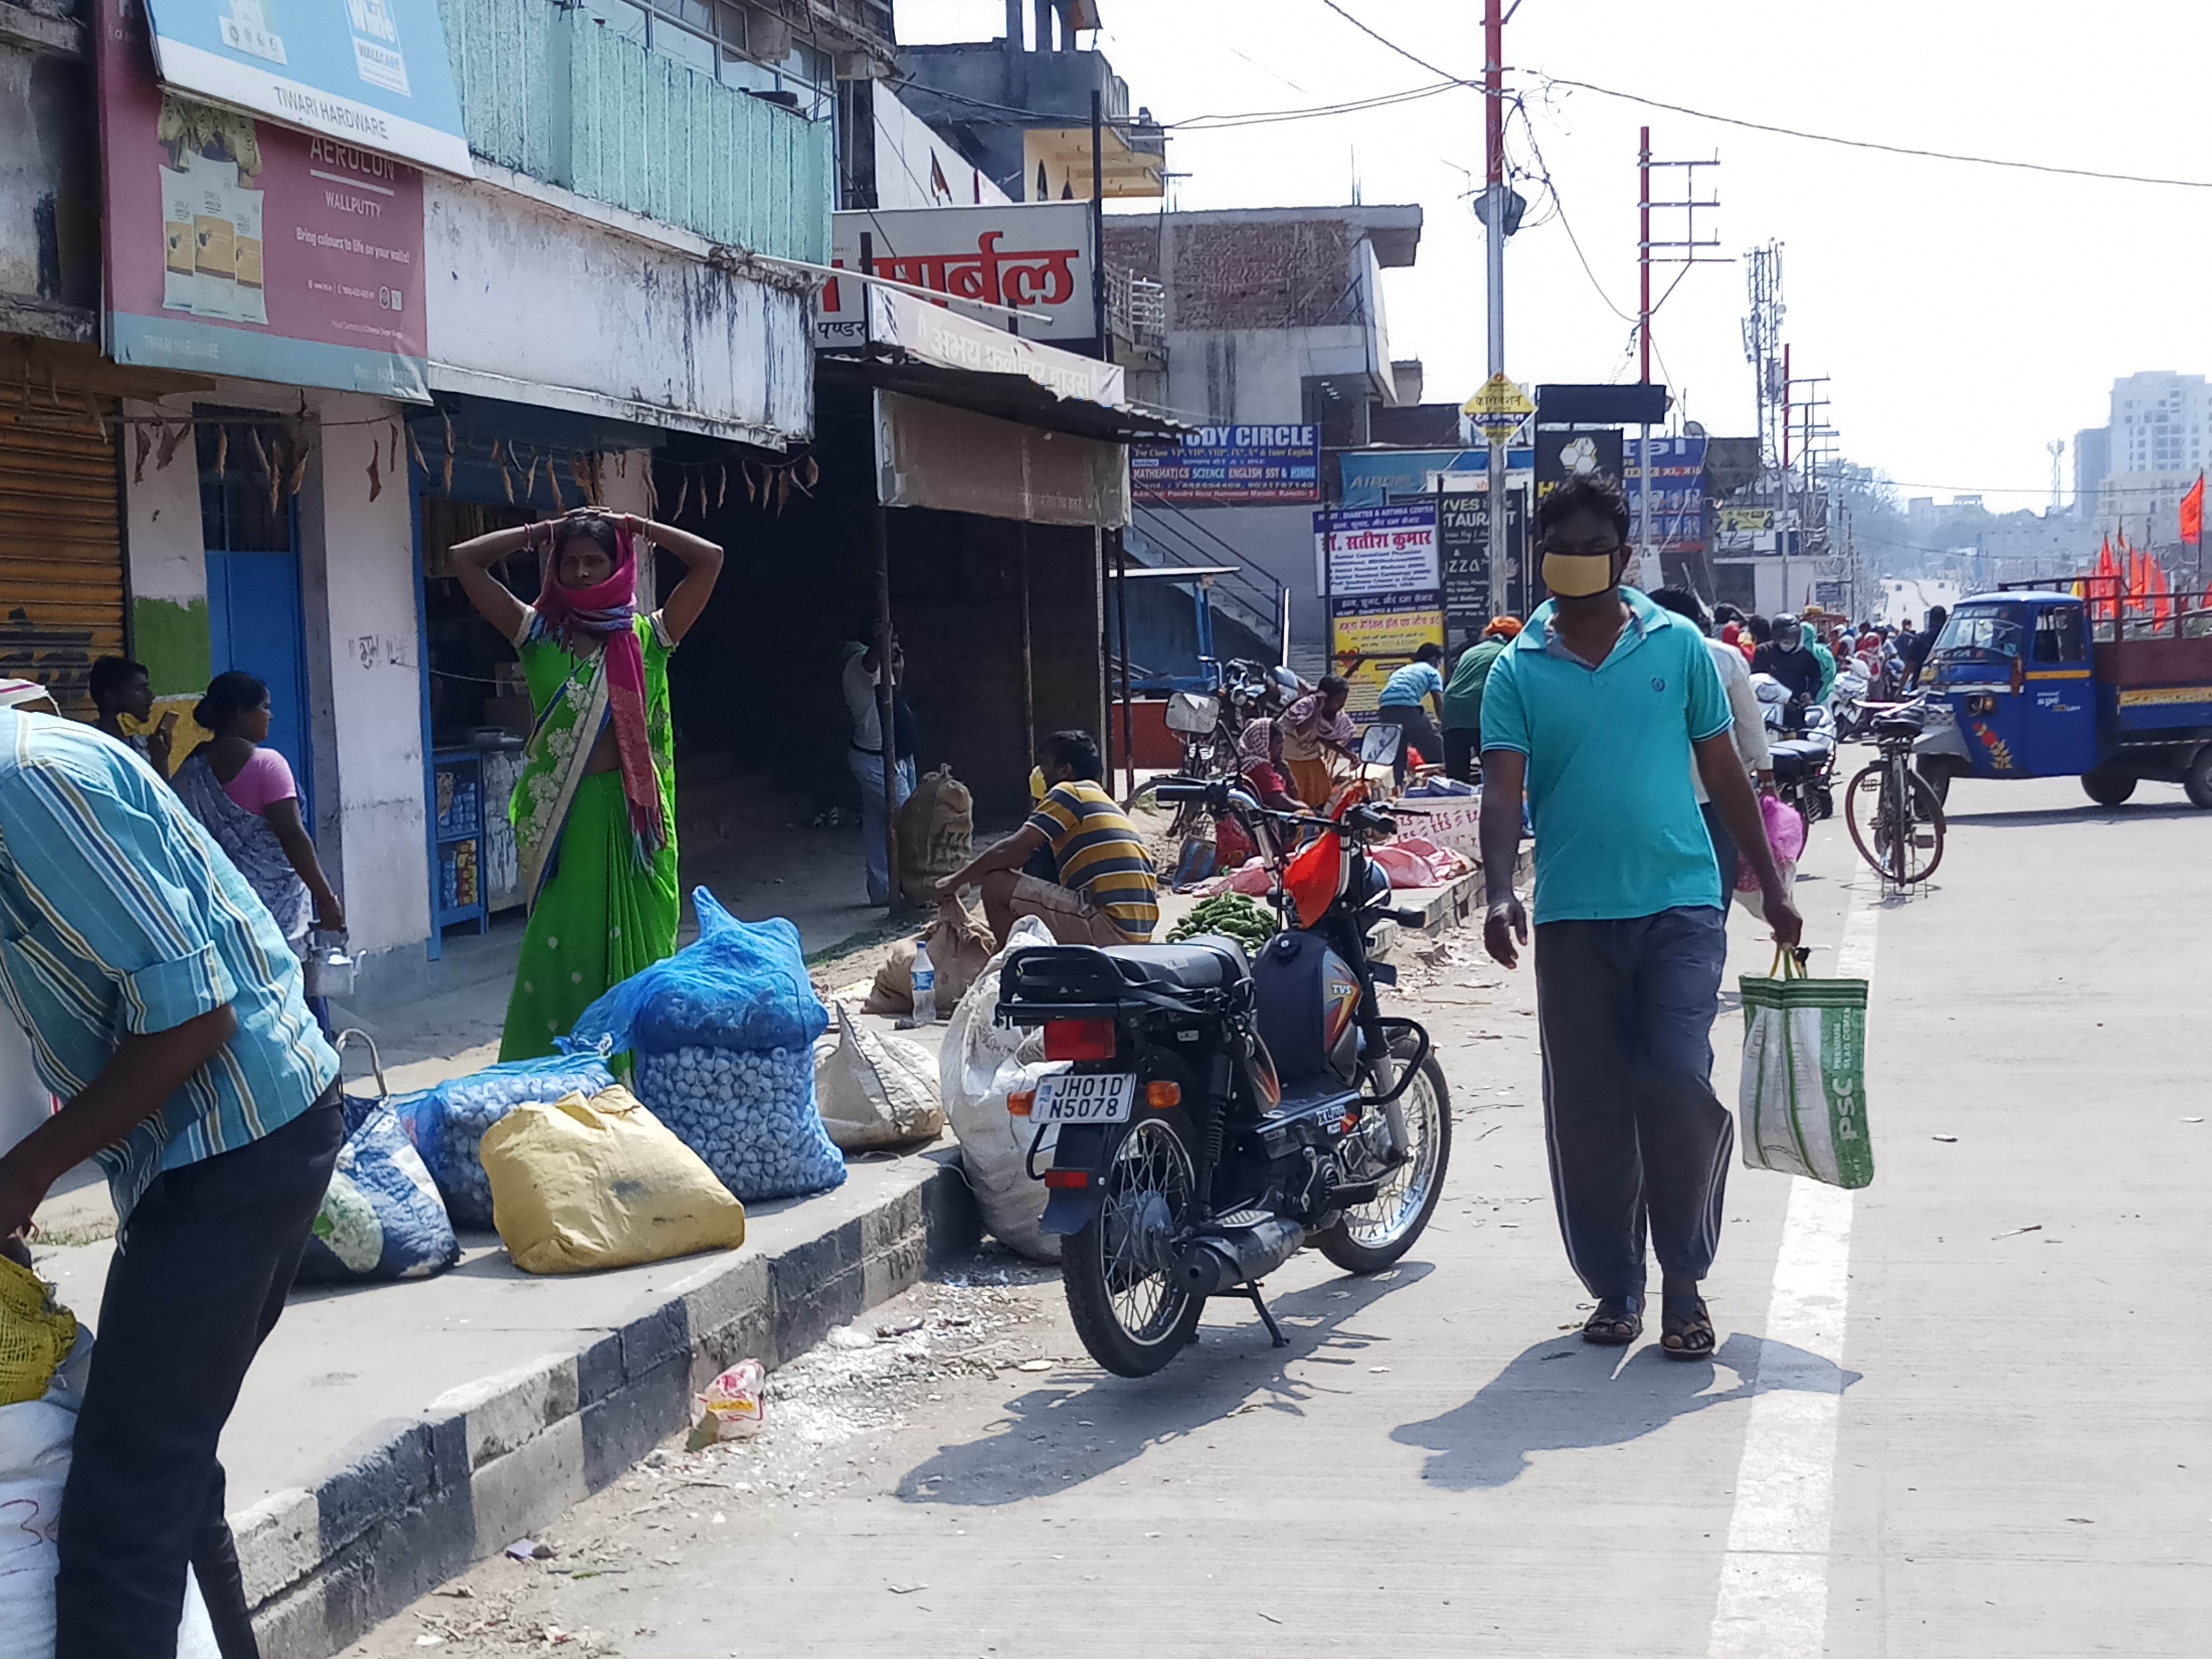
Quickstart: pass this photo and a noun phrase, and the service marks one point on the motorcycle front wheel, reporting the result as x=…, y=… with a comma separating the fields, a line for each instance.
x=1117, y=1269
x=1372, y=1236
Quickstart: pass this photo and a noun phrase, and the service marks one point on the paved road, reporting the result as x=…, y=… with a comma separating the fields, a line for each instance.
x=1963, y=1412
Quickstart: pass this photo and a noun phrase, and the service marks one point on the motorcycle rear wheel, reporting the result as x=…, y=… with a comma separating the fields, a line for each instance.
x=1122, y=1293
x=1374, y=1236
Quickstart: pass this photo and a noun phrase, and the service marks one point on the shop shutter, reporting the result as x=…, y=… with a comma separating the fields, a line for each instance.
x=61, y=559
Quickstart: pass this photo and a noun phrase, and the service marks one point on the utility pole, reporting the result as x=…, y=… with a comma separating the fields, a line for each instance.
x=1808, y=412
x=1496, y=230
x=1684, y=251
x=1763, y=350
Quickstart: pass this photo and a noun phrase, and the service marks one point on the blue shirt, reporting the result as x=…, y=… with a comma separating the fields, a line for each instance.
x=1618, y=830
x=118, y=914
x=1406, y=688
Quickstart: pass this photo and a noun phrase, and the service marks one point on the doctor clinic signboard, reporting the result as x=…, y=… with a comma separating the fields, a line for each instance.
x=238, y=246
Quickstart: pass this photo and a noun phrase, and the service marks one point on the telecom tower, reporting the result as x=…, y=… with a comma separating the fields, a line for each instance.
x=1762, y=349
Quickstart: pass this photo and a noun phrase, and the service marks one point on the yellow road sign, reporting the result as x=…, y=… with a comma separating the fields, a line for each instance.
x=1498, y=400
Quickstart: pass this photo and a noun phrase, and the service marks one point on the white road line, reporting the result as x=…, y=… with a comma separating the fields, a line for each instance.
x=1773, y=1595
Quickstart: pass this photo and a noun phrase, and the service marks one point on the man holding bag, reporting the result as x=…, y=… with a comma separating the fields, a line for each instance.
x=1596, y=709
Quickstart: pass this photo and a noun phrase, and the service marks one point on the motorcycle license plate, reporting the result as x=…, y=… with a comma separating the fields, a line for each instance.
x=1083, y=1098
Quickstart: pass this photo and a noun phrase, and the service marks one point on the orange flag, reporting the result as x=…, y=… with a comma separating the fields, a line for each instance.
x=2192, y=513
x=2161, y=595
x=2106, y=586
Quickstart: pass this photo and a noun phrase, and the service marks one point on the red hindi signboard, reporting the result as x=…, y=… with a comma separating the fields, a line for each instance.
x=237, y=247
x=1032, y=255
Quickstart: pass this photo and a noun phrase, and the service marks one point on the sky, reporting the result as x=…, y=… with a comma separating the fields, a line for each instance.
x=1965, y=315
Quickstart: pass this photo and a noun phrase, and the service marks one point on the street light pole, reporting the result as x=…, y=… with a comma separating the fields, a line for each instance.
x=1644, y=572
x=1494, y=229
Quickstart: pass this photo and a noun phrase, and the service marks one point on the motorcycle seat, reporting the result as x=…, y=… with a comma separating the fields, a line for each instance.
x=1795, y=757
x=1203, y=964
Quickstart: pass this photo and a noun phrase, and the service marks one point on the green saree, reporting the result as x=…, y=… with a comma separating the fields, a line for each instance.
x=601, y=906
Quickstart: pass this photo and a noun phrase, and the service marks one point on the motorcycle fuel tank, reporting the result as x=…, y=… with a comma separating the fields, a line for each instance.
x=1308, y=1001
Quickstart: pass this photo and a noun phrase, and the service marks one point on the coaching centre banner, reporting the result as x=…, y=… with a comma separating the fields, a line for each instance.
x=1376, y=549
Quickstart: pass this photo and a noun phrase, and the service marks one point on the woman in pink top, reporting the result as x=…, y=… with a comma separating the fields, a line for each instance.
x=245, y=795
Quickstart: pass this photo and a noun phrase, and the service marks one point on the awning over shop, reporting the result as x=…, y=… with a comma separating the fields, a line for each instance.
x=926, y=350
x=933, y=454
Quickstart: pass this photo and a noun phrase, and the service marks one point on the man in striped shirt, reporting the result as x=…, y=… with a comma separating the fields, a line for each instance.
x=164, y=1010
x=1108, y=892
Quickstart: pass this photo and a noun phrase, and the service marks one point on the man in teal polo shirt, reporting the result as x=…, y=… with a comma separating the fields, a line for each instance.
x=1596, y=709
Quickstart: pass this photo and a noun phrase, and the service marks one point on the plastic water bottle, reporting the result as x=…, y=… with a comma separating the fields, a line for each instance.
x=925, y=986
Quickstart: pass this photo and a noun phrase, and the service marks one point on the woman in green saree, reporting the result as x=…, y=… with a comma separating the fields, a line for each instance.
x=594, y=811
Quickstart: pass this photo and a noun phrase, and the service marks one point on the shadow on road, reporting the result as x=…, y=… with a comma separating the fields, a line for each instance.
x=2084, y=813
x=1057, y=1437
x=1565, y=1394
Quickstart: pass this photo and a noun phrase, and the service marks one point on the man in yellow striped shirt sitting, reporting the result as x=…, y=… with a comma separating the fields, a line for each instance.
x=1108, y=892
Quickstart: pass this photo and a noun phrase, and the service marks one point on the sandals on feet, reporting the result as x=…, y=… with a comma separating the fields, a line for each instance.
x=1685, y=1329
x=1618, y=1322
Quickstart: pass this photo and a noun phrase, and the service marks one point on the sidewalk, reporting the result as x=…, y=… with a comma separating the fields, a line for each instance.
x=390, y=1435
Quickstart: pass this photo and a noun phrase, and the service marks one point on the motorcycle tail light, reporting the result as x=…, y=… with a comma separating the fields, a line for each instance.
x=1313, y=878
x=1067, y=1177
x=1021, y=1103
x=1078, y=1039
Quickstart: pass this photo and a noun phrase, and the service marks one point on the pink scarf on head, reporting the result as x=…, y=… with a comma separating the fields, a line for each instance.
x=606, y=616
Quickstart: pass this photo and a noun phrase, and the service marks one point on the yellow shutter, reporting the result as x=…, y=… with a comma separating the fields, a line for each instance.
x=61, y=553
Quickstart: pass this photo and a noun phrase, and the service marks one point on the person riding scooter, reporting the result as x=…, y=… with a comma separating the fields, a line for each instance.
x=1785, y=658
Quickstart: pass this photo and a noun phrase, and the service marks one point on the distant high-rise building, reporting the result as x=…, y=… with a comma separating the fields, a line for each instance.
x=2159, y=438
x=2093, y=459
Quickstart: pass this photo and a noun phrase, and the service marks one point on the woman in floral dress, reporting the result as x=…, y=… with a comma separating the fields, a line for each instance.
x=594, y=811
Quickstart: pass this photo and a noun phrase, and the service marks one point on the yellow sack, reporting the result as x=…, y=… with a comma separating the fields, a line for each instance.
x=578, y=1184
x=36, y=1334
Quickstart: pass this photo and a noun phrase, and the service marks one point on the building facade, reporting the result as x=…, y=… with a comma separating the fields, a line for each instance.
x=591, y=262
x=2157, y=442
x=1269, y=317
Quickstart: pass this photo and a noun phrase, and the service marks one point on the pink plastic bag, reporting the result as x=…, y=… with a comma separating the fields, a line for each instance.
x=1785, y=838
x=1405, y=868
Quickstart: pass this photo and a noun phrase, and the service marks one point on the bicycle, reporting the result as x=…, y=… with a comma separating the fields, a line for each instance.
x=1896, y=819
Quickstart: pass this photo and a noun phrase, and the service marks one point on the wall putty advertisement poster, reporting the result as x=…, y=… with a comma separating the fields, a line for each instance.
x=238, y=246
x=370, y=72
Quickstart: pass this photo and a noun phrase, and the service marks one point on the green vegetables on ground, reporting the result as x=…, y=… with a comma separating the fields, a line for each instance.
x=1242, y=918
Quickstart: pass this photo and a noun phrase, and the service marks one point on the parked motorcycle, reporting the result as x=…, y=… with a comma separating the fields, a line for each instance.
x=1847, y=702
x=1803, y=750
x=1219, y=1112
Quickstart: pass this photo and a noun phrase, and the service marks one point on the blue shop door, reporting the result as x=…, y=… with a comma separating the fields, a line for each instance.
x=254, y=624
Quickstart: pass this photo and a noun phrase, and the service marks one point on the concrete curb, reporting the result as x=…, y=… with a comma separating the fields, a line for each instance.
x=413, y=1501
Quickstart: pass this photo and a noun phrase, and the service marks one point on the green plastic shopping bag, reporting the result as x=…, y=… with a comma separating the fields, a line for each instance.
x=1801, y=1108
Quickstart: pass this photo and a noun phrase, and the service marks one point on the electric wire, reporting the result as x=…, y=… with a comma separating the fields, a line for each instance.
x=1410, y=56
x=1565, y=224
x=1874, y=144
x=1211, y=123
x=1915, y=152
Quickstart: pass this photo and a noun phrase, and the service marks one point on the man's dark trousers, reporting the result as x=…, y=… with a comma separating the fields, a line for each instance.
x=1462, y=744
x=200, y=1273
x=1636, y=1138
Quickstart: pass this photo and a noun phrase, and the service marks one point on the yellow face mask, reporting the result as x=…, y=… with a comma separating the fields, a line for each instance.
x=1578, y=575
x=1037, y=784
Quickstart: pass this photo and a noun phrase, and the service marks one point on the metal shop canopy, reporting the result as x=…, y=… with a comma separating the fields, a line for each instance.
x=971, y=419
x=927, y=350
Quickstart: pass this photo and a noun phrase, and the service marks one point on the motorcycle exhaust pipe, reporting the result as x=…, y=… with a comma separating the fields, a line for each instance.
x=1211, y=1266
